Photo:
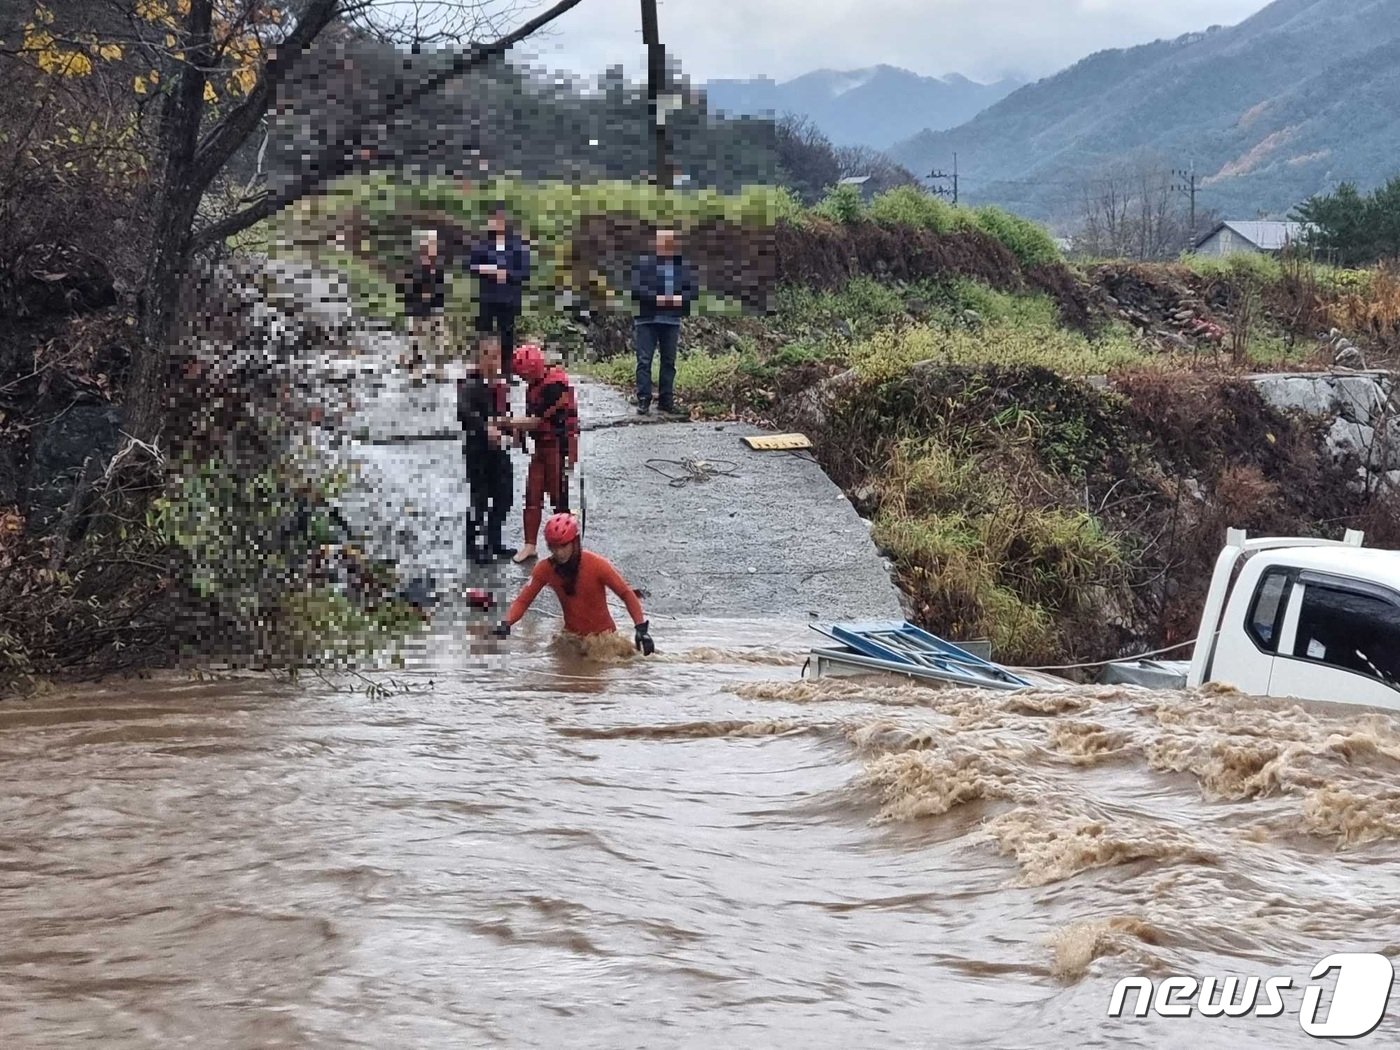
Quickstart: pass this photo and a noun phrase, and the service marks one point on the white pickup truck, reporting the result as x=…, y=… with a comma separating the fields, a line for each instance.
x=1300, y=618
x=1297, y=618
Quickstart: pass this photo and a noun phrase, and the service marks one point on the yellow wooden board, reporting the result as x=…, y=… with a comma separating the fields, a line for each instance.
x=778, y=442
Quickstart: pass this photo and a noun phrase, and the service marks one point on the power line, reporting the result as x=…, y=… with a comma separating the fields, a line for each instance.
x=938, y=175
x=1189, y=185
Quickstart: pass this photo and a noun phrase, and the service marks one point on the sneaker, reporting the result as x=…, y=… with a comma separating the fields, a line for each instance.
x=643, y=410
x=503, y=552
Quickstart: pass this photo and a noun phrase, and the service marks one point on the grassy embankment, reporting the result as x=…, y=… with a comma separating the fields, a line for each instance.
x=1060, y=518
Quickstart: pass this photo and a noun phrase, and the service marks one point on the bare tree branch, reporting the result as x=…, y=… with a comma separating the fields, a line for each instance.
x=223, y=140
x=340, y=157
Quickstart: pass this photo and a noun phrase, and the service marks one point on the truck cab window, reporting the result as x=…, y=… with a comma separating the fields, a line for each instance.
x=1267, y=610
x=1356, y=632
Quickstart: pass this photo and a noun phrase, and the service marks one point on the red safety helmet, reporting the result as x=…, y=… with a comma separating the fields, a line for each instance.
x=528, y=362
x=561, y=529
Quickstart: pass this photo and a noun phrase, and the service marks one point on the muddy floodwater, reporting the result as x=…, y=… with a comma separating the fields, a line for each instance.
x=534, y=849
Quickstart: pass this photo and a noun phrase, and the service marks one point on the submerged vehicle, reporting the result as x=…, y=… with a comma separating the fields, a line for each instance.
x=1303, y=619
x=1294, y=618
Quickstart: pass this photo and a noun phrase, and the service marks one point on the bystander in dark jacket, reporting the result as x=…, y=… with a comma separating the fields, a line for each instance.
x=663, y=287
x=501, y=263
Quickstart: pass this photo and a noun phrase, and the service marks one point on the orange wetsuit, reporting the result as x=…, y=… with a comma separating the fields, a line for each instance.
x=586, y=610
x=551, y=400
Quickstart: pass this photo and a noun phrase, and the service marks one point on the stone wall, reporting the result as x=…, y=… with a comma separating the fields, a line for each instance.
x=1362, y=414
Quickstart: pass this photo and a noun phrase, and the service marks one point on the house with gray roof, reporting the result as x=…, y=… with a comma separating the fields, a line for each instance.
x=1265, y=237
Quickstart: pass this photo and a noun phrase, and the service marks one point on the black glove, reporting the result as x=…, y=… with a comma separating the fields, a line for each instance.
x=644, y=643
x=501, y=630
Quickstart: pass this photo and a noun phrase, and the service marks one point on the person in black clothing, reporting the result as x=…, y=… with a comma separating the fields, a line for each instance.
x=424, y=292
x=483, y=400
x=663, y=286
x=501, y=263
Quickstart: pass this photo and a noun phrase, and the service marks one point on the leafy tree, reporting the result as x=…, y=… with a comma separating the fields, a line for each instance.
x=1354, y=228
x=842, y=204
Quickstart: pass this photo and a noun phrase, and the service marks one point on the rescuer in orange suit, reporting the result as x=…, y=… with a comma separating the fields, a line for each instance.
x=581, y=580
x=551, y=421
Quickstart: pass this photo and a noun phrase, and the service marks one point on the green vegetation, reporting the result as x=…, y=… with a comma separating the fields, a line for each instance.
x=889, y=355
x=908, y=206
x=969, y=546
x=973, y=474
x=841, y=204
x=1268, y=271
x=882, y=330
x=1353, y=228
x=866, y=305
x=1248, y=267
x=1026, y=240
x=260, y=549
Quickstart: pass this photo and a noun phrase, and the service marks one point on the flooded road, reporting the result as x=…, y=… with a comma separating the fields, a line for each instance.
x=525, y=846
x=533, y=849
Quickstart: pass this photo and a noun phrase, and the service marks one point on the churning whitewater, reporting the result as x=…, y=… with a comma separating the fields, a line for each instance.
x=554, y=847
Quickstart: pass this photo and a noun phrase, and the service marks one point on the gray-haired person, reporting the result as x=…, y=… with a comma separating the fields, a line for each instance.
x=424, y=293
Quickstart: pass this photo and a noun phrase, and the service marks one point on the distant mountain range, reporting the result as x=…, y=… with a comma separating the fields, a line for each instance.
x=875, y=107
x=1304, y=94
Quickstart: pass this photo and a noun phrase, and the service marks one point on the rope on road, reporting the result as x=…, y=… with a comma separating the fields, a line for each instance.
x=1115, y=660
x=694, y=469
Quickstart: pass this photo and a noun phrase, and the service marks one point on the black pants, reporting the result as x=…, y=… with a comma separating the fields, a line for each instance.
x=492, y=485
x=499, y=318
x=650, y=338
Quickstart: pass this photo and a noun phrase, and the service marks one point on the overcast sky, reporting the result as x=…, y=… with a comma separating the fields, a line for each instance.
x=982, y=39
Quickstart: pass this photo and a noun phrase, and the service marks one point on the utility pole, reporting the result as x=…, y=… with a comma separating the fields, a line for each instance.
x=656, y=89
x=939, y=174
x=1189, y=185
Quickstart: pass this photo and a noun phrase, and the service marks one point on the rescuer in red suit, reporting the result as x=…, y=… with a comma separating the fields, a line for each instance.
x=551, y=424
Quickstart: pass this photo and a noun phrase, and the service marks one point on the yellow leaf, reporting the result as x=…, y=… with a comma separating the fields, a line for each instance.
x=210, y=95
x=110, y=52
x=43, y=14
x=169, y=39
x=150, y=10
x=140, y=85
x=244, y=79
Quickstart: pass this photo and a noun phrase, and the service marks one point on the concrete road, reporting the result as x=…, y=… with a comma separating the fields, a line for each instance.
x=767, y=534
